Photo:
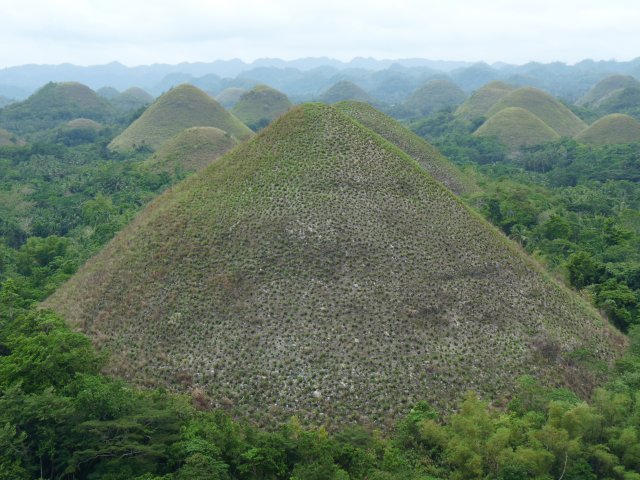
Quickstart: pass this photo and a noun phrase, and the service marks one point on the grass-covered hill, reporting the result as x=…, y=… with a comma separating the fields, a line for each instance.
x=479, y=104
x=318, y=270
x=260, y=106
x=190, y=150
x=434, y=96
x=623, y=100
x=516, y=127
x=53, y=105
x=181, y=107
x=108, y=92
x=415, y=146
x=345, y=90
x=615, y=128
x=131, y=99
x=230, y=96
x=605, y=87
x=545, y=107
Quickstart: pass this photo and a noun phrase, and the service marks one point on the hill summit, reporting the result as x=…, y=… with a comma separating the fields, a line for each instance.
x=606, y=87
x=433, y=96
x=545, y=107
x=516, y=127
x=345, y=90
x=260, y=106
x=318, y=270
x=53, y=105
x=181, y=107
x=614, y=128
x=479, y=104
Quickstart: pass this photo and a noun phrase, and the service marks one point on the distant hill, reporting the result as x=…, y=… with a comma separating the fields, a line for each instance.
x=605, y=87
x=614, y=128
x=182, y=107
x=131, y=99
x=4, y=101
x=516, y=127
x=260, y=106
x=53, y=105
x=77, y=131
x=545, y=107
x=479, y=104
x=108, y=92
x=413, y=145
x=230, y=96
x=319, y=270
x=433, y=96
x=345, y=90
x=624, y=100
x=190, y=150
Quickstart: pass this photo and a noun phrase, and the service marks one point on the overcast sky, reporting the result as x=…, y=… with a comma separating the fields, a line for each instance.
x=136, y=32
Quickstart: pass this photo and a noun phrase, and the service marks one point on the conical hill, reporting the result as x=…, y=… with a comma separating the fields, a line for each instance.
x=181, y=107
x=191, y=150
x=545, y=107
x=53, y=105
x=345, y=90
x=614, y=128
x=416, y=147
x=605, y=87
x=516, y=128
x=318, y=270
x=479, y=104
x=260, y=106
x=433, y=96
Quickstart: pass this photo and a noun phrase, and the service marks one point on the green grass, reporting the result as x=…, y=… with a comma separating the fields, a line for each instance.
x=181, y=107
x=434, y=96
x=516, y=128
x=190, y=150
x=614, y=128
x=605, y=87
x=545, y=107
x=318, y=270
x=260, y=106
x=345, y=90
x=230, y=96
x=479, y=104
x=53, y=105
x=415, y=146
x=131, y=99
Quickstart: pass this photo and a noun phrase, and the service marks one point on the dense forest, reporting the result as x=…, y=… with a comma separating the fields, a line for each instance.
x=574, y=207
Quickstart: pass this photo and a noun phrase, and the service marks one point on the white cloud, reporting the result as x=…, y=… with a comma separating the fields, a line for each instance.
x=170, y=31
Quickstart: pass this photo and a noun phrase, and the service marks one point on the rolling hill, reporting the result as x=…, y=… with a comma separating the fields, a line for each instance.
x=545, y=107
x=53, y=105
x=260, y=106
x=230, y=96
x=131, y=99
x=181, y=107
x=516, y=128
x=434, y=96
x=413, y=145
x=345, y=90
x=614, y=128
x=605, y=87
x=318, y=270
x=190, y=150
x=479, y=104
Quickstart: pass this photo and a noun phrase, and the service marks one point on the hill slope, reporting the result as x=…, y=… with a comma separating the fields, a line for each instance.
x=53, y=105
x=182, y=107
x=605, y=87
x=413, y=145
x=614, y=128
x=8, y=139
x=345, y=90
x=317, y=270
x=545, y=107
x=479, y=104
x=433, y=96
x=191, y=150
x=516, y=127
x=260, y=106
